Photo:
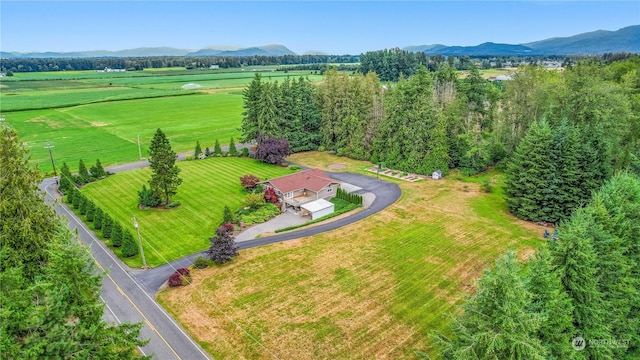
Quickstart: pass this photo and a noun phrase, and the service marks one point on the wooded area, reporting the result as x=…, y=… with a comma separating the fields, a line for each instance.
x=565, y=131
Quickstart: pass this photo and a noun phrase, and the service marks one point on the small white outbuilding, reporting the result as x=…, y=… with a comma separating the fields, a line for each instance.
x=317, y=208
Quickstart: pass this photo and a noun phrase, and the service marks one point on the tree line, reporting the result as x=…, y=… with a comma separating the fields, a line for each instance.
x=578, y=298
x=437, y=120
x=155, y=62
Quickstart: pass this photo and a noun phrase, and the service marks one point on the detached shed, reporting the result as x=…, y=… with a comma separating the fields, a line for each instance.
x=317, y=208
x=437, y=174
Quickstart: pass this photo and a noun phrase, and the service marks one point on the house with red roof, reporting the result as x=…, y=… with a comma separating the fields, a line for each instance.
x=303, y=187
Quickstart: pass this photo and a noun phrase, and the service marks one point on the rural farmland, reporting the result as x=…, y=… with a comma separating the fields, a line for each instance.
x=104, y=113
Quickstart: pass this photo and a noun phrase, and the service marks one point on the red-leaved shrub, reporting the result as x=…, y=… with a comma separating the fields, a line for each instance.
x=270, y=195
x=175, y=279
x=183, y=271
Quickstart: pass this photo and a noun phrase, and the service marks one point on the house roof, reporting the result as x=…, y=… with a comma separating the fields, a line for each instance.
x=317, y=205
x=439, y=172
x=314, y=180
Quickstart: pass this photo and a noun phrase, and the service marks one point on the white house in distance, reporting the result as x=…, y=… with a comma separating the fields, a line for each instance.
x=300, y=190
x=437, y=175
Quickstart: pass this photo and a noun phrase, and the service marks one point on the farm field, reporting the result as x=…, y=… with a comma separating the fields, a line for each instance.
x=90, y=115
x=208, y=185
x=109, y=131
x=374, y=289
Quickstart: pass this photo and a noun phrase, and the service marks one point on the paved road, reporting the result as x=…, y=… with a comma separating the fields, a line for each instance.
x=385, y=194
x=124, y=296
x=129, y=294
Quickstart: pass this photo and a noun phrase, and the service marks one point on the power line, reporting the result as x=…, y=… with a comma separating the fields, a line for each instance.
x=49, y=146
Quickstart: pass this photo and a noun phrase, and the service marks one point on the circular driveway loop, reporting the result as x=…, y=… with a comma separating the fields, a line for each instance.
x=386, y=193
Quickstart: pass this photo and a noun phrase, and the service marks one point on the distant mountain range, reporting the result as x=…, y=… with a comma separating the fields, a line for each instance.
x=266, y=50
x=596, y=42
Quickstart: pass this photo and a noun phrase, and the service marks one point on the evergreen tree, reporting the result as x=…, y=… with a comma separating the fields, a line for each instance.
x=97, y=171
x=251, y=95
x=615, y=210
x=233, y=151
x=50, y=289
x=116, y=234
x=90, y=207
x=207, y=152
x=83, y=173
x=66, y=179
x=198, y=151
x=78, y=198
x=24, y=220
x=83, y=205
x=565, y=194
x=549, y=299
x=164, y=172
x=497, y=322
x=71, y=193
x=227, y=216
x=575, y=262
x=107, y=224
x=223, y=246
x=217, y=150
x=97, y=218
x=528, y=182
x=129, y=246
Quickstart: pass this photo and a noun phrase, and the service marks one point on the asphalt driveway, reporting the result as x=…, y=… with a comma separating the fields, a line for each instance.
x=384, y=194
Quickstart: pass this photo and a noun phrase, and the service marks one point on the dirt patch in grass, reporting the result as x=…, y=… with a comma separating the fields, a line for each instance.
x=323, y=161
x=53, y=124
x=99, y=124
x=337, y=166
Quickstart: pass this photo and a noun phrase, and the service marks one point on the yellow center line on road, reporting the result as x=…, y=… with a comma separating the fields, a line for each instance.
x=146, y=320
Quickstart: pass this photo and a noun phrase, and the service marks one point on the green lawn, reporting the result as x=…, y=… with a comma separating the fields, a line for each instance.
x=208, y=185
x=109, y=131
x=374, y=289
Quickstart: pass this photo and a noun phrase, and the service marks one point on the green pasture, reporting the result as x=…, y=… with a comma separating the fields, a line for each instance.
x=84, y=94
x=208, y=185
x=109, y=131
x=389, y=279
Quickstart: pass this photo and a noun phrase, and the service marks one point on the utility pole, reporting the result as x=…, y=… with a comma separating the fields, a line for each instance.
x=139, y=150
x=144, y=261
x=49, y=146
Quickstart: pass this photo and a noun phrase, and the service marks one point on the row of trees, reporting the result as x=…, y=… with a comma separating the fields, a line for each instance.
x=585, y=284
x=286, y=111
x=84, y=176
x=50, y=288
x=155, y=62
x=217, y=150
x=119, y=236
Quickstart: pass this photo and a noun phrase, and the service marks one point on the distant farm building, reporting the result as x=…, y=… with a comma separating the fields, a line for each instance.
x=108, y=69
x=213, y=67
x=437, y=175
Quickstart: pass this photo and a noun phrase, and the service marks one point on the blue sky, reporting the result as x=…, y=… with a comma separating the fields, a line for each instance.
x=336, y=27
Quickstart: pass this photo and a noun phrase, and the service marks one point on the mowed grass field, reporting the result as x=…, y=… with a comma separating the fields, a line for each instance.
x=208, y=185
x=109, y=131
x=89, y=115
x=373, y=290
